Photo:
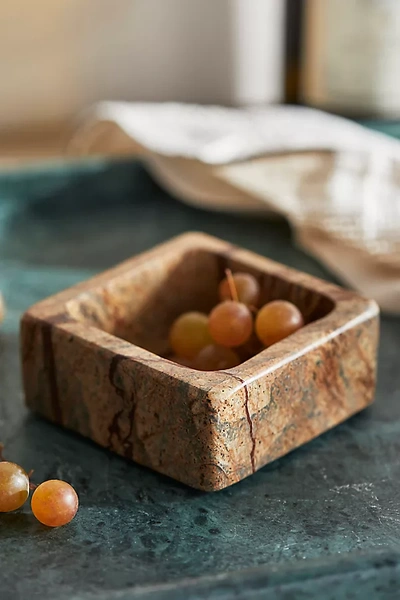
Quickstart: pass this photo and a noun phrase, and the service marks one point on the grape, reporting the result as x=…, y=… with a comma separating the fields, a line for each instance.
x=252, y=347
x=247, y=289
x=230, y=323
x=14, y=486
x=54, y=503
x=189, y=334
x=184, y=362
x=214, y=358
x=276, y=320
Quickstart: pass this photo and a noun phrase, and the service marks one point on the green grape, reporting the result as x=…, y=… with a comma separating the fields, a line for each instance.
x=230, y=323
x=246, y=286
x=189, y=334
x=215, y=358
x=276, y=320
x=54, y=503
x=184, y=362
x=250, y=348
x=14, y=486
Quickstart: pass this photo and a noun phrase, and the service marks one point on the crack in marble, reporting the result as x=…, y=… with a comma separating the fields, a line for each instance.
x=249, y=421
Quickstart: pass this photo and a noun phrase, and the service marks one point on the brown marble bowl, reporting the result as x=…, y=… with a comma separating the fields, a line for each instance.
x=92, y=363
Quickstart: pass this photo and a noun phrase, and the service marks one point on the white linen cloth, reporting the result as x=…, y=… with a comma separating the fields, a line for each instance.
x=337, y=182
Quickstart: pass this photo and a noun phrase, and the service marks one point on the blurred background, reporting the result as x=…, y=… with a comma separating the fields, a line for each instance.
x=59, y=57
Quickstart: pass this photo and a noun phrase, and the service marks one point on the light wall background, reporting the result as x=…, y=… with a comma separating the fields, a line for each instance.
x=58, y=56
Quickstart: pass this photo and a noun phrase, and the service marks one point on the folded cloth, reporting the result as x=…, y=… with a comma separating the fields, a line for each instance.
x=337, y=182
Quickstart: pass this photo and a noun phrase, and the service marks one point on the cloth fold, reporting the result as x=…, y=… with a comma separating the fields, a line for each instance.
x=337, y=182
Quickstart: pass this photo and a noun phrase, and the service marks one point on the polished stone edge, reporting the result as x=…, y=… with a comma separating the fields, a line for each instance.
x=221, y=426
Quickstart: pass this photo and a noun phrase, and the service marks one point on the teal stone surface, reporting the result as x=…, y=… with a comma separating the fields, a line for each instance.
x=322, y=522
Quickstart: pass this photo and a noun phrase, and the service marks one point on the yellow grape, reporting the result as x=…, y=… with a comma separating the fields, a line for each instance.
x=215, y=358
x=184, y=362
x=14, y=486
x=189, y=334
x=230, y=323
x=276, y=320
x=54, y=503
x=247, y=289
x=249, y=349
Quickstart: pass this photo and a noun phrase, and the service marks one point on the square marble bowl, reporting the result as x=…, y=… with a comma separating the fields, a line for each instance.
x=92, y=362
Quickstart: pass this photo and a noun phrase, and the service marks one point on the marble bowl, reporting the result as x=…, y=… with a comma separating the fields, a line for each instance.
x=92, y=362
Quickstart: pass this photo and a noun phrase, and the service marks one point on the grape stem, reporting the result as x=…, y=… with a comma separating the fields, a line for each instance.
x=1, y=452
x=231, y=284
x=32, y=486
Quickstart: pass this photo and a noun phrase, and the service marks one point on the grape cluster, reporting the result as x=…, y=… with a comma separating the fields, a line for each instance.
x=54, y=503
x=235, y=329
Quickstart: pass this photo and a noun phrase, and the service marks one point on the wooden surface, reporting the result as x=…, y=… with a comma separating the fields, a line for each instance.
x=63, y=141
x=29, y=146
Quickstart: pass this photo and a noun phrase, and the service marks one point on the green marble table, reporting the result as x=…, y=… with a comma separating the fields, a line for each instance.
x=323, y=522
